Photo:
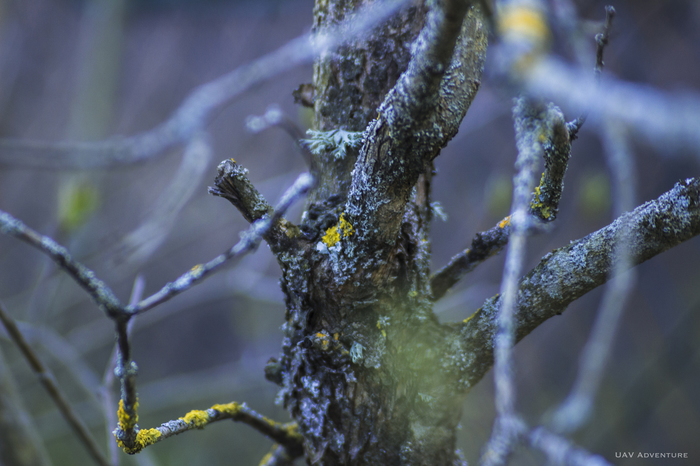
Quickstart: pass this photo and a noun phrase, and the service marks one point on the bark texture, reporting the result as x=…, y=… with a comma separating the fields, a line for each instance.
x=366, y=370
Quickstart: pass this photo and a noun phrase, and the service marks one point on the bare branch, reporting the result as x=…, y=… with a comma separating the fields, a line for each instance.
x=544, y=206
x=484, y=245
x=568, y=273
x=198, y=109
x=601, y=40
x=577, y=407
x=286, y=435
x=49, y=382
x=96, y=288
x=417, y=118
x=249, y=241
x=530, y=123
x=232, y=183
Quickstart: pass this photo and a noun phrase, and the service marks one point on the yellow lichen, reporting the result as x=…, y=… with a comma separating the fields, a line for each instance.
x=335, y=336
x=470, y=317
x=126, y=421
x=196, y=418
x=265, y=459
x=345, y=226
x=229, y=408
x=537, y=203
x=292, y=429
x=334, y=234
x=144, y=438
x=504, y=223
x=524, y=21
x=331, y=237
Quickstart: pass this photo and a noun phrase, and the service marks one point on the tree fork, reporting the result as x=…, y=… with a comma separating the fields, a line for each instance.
x=365, y=367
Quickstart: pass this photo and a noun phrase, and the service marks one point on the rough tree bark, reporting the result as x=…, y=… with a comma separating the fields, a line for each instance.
x=366, y=370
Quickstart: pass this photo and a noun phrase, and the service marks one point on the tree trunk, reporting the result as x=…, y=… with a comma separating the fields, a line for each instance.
x=367, y=370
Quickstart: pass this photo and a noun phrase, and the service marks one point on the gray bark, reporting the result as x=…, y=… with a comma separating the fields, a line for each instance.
x=366, y=369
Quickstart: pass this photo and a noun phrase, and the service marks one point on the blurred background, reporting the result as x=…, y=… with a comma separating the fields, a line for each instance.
x=86, y=70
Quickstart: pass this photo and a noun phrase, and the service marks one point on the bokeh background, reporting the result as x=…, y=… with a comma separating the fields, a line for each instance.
x=84, y=70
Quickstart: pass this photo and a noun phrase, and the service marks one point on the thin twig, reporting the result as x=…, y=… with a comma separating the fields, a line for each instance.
x=284, y=434
x=98, y=290
x=249, y=241
x=484, y=245
x=198, y=108
x=601, y=40
x=49, y=382
x=109, y=376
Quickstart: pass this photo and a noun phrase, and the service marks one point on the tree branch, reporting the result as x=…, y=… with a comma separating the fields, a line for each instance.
x=96, y=288
x=197, y=109
x=49, y=382
x=566, y=274
x=544, y=206
x=278, y=456
x=286, y=435
x=249, y=241
x=484, y=245
x=417, y=118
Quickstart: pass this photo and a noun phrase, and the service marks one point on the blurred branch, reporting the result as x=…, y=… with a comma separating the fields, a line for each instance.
x=278, y=456
x=138, y=245
x=666, y=120
x=544, y=206
x=560, y=451
x=566, y=274
x=47, y=380
x=21, y=445
x=274, y=116
x=98, y=290
x=577, y=407
x=530, y=123
x=284, y=434
x=198, y=108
